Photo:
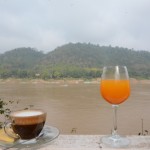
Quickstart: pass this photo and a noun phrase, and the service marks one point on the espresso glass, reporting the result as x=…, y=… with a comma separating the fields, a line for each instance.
x=26, y=124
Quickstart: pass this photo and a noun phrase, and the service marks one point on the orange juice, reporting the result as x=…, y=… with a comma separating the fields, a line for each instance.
x=115, y=91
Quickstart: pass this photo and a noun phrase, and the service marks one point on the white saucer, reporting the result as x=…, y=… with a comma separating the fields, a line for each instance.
x=47, y=135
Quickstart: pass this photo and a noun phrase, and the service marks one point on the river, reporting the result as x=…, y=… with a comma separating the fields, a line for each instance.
x=78, y=108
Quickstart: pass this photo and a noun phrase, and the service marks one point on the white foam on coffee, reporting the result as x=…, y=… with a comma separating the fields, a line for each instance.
x=26, y=117
x=28, y=114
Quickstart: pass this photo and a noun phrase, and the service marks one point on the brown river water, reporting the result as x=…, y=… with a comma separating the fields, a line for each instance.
x=78, y=108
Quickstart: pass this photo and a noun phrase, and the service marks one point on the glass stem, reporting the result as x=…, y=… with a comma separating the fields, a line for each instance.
x=115, y=107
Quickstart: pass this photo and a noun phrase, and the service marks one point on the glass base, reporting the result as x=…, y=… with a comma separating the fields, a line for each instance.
x=48, y=134
x=115, y=141
x=31, y=141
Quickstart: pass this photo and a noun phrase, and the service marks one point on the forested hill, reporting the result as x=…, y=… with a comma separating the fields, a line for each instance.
x=72, y=60
x=20, y=58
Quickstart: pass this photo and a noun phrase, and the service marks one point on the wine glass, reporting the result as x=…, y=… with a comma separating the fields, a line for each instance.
x=115, y=89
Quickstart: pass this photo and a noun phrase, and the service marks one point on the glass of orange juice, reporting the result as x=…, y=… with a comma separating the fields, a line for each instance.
x=115, y=89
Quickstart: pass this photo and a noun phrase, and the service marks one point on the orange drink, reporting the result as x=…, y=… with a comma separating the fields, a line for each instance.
x=115, y=91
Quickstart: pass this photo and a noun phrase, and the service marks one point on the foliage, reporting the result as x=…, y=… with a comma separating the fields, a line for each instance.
x=79, y=60
x=3, y=111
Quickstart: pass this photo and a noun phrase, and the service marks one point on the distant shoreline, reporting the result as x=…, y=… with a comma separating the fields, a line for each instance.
x=66, y=81
x=57, y=81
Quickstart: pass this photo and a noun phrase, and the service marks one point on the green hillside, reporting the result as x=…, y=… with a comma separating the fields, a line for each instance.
x=19, y=62
x=89, y=56
x=72, y=60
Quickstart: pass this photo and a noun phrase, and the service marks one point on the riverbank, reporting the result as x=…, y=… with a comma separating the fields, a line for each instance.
x=66, y=81
x=56, y=81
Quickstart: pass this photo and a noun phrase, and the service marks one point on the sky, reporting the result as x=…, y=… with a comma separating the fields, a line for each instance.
x=47, y=24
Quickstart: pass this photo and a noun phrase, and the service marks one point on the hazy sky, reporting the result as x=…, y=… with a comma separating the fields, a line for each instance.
x=46, y=24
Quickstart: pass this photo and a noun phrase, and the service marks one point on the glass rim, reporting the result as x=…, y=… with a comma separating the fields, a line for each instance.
x=111, y=66
x=118, y=69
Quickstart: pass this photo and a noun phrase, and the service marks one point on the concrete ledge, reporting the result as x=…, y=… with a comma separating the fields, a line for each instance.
x=92, y=142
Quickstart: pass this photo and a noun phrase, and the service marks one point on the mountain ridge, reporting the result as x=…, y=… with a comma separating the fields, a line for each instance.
x=72, y=60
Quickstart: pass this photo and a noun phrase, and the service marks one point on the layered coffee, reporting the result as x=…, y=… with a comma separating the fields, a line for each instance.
x=28, y=123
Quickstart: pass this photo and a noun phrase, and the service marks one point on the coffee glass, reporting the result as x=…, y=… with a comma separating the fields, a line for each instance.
x=25, y=124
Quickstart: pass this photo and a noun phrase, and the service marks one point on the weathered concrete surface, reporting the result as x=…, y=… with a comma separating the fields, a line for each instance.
x=92, y=142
